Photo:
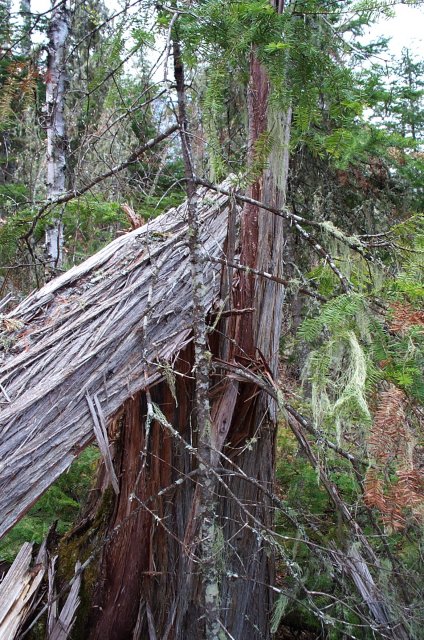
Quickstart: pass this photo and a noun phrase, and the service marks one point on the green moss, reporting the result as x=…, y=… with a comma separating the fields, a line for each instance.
x=79, y=545
x=61, y=503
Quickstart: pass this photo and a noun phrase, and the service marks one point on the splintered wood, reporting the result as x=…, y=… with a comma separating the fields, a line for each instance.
x=18, y=590
x=97, y=333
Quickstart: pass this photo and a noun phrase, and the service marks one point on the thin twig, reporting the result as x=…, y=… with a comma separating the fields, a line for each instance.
x=268, y=276
x=71, y=195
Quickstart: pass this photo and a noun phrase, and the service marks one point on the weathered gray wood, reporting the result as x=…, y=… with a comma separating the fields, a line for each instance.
x=62, y=626
x=83, y=334
x=100, y=431
x=51, y=598
x=17, y=592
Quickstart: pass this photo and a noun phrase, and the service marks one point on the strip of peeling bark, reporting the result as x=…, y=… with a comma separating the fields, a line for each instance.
x=59, y=625
x=18, y=590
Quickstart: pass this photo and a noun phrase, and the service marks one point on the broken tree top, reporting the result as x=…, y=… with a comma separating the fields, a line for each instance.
x=74, y=351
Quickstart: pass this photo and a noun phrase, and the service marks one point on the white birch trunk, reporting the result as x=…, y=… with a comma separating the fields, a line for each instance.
x=56, y=130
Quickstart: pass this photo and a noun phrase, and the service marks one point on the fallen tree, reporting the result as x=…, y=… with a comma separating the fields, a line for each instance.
x=75, y=351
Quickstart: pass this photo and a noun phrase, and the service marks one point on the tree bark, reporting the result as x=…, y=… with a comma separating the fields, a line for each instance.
x=55, y=128
x=248, y=599
x=25, y=11
x=144, y=584
x=192, y=563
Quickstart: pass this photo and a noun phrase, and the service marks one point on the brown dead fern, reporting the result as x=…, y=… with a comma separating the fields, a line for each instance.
x=389, y=437
x=374, y=491
x=18, y=89
x=391, y=446
x=404, y=317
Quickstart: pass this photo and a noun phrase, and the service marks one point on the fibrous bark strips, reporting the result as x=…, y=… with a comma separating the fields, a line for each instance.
x=84, y=335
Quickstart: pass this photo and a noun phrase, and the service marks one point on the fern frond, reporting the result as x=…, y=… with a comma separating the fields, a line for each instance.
x=391, y=442
x=374, y=491
x=389, y=436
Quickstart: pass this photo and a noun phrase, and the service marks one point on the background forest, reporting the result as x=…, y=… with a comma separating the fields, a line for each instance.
x=113, y=113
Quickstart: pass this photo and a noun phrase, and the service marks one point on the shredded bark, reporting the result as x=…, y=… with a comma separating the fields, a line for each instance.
x=18, y=590
x=102, y=330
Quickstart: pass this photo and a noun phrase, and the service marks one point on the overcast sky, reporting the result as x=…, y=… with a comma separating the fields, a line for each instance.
x=405, y=30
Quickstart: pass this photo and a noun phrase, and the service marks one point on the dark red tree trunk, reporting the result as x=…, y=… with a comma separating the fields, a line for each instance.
x=251, y=438
x=142, y=576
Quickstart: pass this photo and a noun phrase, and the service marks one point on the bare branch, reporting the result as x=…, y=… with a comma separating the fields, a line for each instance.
x=268, y=276
x=297, y=222
x=71, y=195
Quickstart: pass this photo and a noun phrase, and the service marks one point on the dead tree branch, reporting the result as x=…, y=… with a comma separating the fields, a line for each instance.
x=71, y=195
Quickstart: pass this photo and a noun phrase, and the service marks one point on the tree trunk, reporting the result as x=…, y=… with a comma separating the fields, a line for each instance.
x=248, y=599
x=55, y=126
x=25, y=11
x=145, y=584
x=151, y=576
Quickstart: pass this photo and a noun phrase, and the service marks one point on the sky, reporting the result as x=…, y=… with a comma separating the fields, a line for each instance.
x=405, y=30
